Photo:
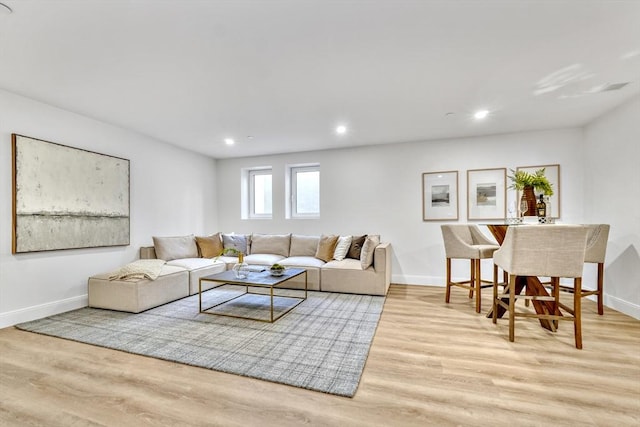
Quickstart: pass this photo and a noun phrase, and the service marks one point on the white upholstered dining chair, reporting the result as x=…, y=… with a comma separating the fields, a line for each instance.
x=597, y=237
x=555, y=251
x=466, y=241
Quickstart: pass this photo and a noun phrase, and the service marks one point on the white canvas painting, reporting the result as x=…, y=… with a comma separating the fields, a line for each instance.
x=67, y=198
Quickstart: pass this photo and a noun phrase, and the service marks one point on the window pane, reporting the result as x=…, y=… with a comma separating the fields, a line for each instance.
x=262, y=194
x=308, y=192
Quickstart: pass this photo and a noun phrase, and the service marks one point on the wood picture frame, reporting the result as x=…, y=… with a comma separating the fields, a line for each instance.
x=67, y=198
x=440, y=196
x=486, y=193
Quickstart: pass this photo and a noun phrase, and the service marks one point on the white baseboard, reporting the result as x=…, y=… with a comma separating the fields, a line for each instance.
x=404, y=279
x=622, y=306
x=27, y=314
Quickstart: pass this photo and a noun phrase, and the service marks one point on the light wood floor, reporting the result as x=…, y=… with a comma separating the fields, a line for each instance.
x=430, y=364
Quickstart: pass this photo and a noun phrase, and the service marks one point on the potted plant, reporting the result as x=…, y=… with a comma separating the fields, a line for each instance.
x=277, y=269
x=527, y=182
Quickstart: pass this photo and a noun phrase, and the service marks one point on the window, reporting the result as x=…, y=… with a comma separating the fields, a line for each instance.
x=259, y=193
x=304, y=191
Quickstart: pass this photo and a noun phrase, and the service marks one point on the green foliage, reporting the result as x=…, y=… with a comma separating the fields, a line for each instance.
x=277, y=267
x=228, y=252
x=521, y=179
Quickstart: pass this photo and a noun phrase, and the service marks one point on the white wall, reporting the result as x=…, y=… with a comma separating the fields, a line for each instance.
x=379, y=190
x=612, y=195
x=172, y=193
x=364, y=190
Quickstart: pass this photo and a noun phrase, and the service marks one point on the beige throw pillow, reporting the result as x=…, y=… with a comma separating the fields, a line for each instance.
x=303, y=245
x=275, y=244
x=168, y=248
x=209, y=247
x=366, y=256
x=326, y=247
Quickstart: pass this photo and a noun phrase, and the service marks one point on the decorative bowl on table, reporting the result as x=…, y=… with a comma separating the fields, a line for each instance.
x=277, y=270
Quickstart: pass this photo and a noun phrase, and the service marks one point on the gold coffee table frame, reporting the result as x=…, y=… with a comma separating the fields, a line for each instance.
x=257, y=280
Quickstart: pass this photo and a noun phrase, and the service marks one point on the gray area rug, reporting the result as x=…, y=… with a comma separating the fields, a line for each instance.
x=322, y=344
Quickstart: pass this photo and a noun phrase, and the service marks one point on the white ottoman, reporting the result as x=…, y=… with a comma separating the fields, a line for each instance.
x=138, y=295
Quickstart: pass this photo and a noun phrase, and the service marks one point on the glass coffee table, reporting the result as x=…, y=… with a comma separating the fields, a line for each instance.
x=263, y=280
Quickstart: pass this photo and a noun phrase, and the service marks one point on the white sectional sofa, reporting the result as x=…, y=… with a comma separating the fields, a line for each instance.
x=348, y=264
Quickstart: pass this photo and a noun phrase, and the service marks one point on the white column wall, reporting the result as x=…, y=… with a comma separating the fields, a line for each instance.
x=612, y=195
x=172, y=193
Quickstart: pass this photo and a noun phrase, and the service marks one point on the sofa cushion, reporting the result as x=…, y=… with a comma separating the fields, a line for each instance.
x=276, y=244
x=302, y=261
x=304, y=245
x=239, y=242
x=356, y=247
x=342, y=247
x=366, y=256
x=169, y=248
x=263, y=259
x=326, y=247
x=345, y=264
x=210, y=247
x=193, y=263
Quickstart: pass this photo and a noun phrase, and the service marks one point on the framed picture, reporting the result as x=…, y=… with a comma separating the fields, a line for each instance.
x=67, y=198
x=440, y=196
x=486, y=193
x=552, y=173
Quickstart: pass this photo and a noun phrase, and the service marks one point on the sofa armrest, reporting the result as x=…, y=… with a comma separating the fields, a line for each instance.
x=148, y=252
x=382, y=257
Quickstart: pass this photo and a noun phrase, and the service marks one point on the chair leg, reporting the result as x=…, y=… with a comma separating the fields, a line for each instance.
x=448, y=290
x=472, y=277
x=478, y=286
x=600, y=288
x=495, y=293
x=512, y=307
x=577, y=321
x=555, y=282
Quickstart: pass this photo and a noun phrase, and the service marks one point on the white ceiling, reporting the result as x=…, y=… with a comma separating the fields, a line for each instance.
x=286, y=72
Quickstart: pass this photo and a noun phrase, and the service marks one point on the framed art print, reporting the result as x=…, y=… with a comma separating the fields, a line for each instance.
x=440, y=196
x=486, y=193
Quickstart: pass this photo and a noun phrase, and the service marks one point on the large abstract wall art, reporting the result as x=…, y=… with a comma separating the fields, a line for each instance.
x=66, y=198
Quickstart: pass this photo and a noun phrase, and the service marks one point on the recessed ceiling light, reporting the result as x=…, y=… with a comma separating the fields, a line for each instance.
x=481, y=114
x=4, y=9
x=229, y=141
x=341, y=130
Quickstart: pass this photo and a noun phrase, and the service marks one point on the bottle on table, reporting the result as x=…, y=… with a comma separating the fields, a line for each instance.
x=541, y=207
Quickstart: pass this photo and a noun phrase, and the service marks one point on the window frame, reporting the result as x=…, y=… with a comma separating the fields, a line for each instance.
x=292, y=180
x=251, y=174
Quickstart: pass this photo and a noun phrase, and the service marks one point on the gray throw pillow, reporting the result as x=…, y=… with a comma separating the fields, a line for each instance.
x=235, y=241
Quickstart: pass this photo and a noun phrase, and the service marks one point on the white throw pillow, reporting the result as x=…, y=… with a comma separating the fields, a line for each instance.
x=366, y=256
x=344, y=243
